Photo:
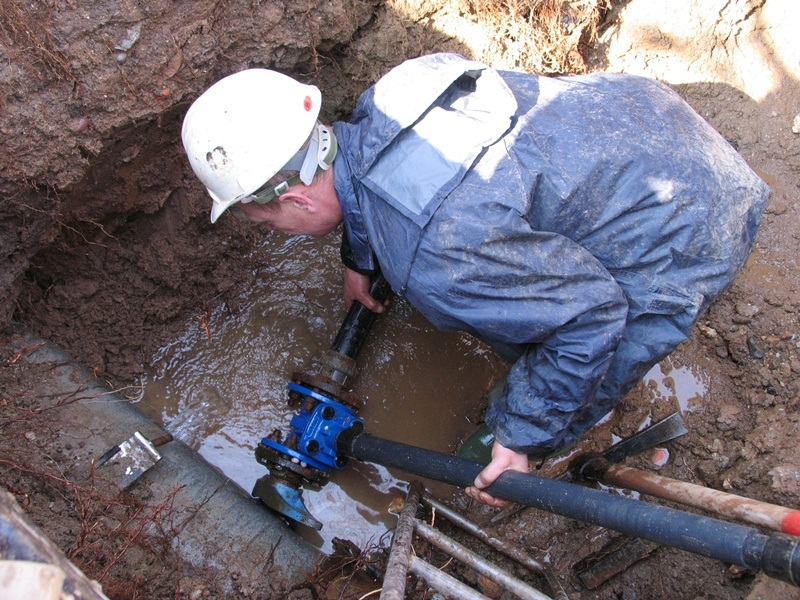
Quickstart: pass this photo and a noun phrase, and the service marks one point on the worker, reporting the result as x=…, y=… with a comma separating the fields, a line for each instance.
x=579, y=225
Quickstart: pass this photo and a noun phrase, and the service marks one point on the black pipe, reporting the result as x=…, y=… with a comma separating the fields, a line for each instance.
x=353, y=332
x=778, y=555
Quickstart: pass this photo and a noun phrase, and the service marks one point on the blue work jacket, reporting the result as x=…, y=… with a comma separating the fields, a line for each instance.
x=578, y=225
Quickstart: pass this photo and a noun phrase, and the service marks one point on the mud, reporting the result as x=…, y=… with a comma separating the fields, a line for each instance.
x=220, y=392
x=110, y=253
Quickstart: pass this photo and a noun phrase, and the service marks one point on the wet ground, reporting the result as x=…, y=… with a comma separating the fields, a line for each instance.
x=222, y=388
x=123, y=269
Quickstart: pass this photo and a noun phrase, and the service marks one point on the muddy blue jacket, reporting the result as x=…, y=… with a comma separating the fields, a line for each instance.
x=578, y=225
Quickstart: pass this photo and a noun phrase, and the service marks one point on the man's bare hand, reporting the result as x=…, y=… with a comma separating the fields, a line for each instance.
x=503, y=459
x=356, y=287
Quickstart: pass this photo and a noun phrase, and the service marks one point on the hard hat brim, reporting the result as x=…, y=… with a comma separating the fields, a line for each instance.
x=218, y=206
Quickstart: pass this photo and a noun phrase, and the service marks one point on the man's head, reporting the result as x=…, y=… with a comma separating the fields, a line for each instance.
x=301, y=209
x=249, y=126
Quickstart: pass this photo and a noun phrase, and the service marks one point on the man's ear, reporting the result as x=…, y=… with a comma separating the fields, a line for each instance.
x=299, y=200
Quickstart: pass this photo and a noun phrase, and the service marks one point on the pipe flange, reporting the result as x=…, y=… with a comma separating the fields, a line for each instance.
x=328, y=387
x=271, y=458
x=335, y=363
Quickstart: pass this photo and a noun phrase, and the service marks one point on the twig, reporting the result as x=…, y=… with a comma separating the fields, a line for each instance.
x=204, y=323
x=19, y=354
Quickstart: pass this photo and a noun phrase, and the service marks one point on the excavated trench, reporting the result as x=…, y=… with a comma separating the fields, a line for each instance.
x=110, y=256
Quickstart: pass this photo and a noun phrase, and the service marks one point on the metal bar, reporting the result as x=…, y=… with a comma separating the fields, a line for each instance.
x=612, y=559
x=500, y=545
x=442, y=582
x=504, y=546
x=478, y=564
x=661, y=432
x=394, y=580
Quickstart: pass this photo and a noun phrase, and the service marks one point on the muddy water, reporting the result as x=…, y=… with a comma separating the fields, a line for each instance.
x=221, y=387
x=684, y=386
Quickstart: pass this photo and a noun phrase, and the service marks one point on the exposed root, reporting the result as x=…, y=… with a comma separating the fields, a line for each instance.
x=22, y=24
x=559, y=31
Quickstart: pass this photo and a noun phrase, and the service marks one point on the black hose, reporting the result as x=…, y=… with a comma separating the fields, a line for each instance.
x=778, y=555
x=353, y=332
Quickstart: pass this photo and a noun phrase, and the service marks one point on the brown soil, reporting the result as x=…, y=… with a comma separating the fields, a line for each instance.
x=109, y=249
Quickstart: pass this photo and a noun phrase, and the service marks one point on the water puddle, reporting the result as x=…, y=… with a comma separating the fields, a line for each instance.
x=222, y=389
x=684, y=386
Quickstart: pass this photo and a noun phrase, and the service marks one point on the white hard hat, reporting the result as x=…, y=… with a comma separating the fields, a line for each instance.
x=247, y=127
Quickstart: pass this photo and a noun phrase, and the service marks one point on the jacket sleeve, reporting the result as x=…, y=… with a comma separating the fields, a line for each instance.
x=549, y=299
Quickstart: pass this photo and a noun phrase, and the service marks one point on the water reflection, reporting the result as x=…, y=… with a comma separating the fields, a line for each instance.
x=684, y=386
x=222, y=395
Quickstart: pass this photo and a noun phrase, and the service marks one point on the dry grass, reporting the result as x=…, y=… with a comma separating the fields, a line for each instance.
x=540, y=36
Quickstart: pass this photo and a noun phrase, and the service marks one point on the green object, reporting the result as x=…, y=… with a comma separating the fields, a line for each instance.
x=478, y=446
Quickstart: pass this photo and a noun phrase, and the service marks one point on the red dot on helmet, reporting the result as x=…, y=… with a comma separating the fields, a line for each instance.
x=307, y=103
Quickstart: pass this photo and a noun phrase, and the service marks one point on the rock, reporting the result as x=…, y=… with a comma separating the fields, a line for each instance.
x=786, y=478
x=488, y=587
x=753, y=348
x=746, y=311
x=728, y=417
x=708, y=332
x=767, y=588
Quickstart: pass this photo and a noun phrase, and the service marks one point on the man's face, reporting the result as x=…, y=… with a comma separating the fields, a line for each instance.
x=291, y=217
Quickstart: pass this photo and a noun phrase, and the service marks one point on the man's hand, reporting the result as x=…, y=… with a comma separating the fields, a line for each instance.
x=503, y=459
x=356, y=287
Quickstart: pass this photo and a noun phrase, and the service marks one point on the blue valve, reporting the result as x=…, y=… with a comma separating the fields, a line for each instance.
x=316, y=431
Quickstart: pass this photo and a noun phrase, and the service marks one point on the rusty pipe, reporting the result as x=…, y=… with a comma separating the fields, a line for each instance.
x=772, y=516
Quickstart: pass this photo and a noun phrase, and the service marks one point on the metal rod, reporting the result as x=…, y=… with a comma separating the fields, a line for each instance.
x=394, y=580
x=478, y=563
x=503, y=546
x=778, y=555
x=778, y=518
x=442, y=582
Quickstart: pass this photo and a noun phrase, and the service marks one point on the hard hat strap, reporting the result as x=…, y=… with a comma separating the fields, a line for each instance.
x=317, y=155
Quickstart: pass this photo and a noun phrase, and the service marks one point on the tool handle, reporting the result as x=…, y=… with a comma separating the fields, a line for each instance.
x=778, y=518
